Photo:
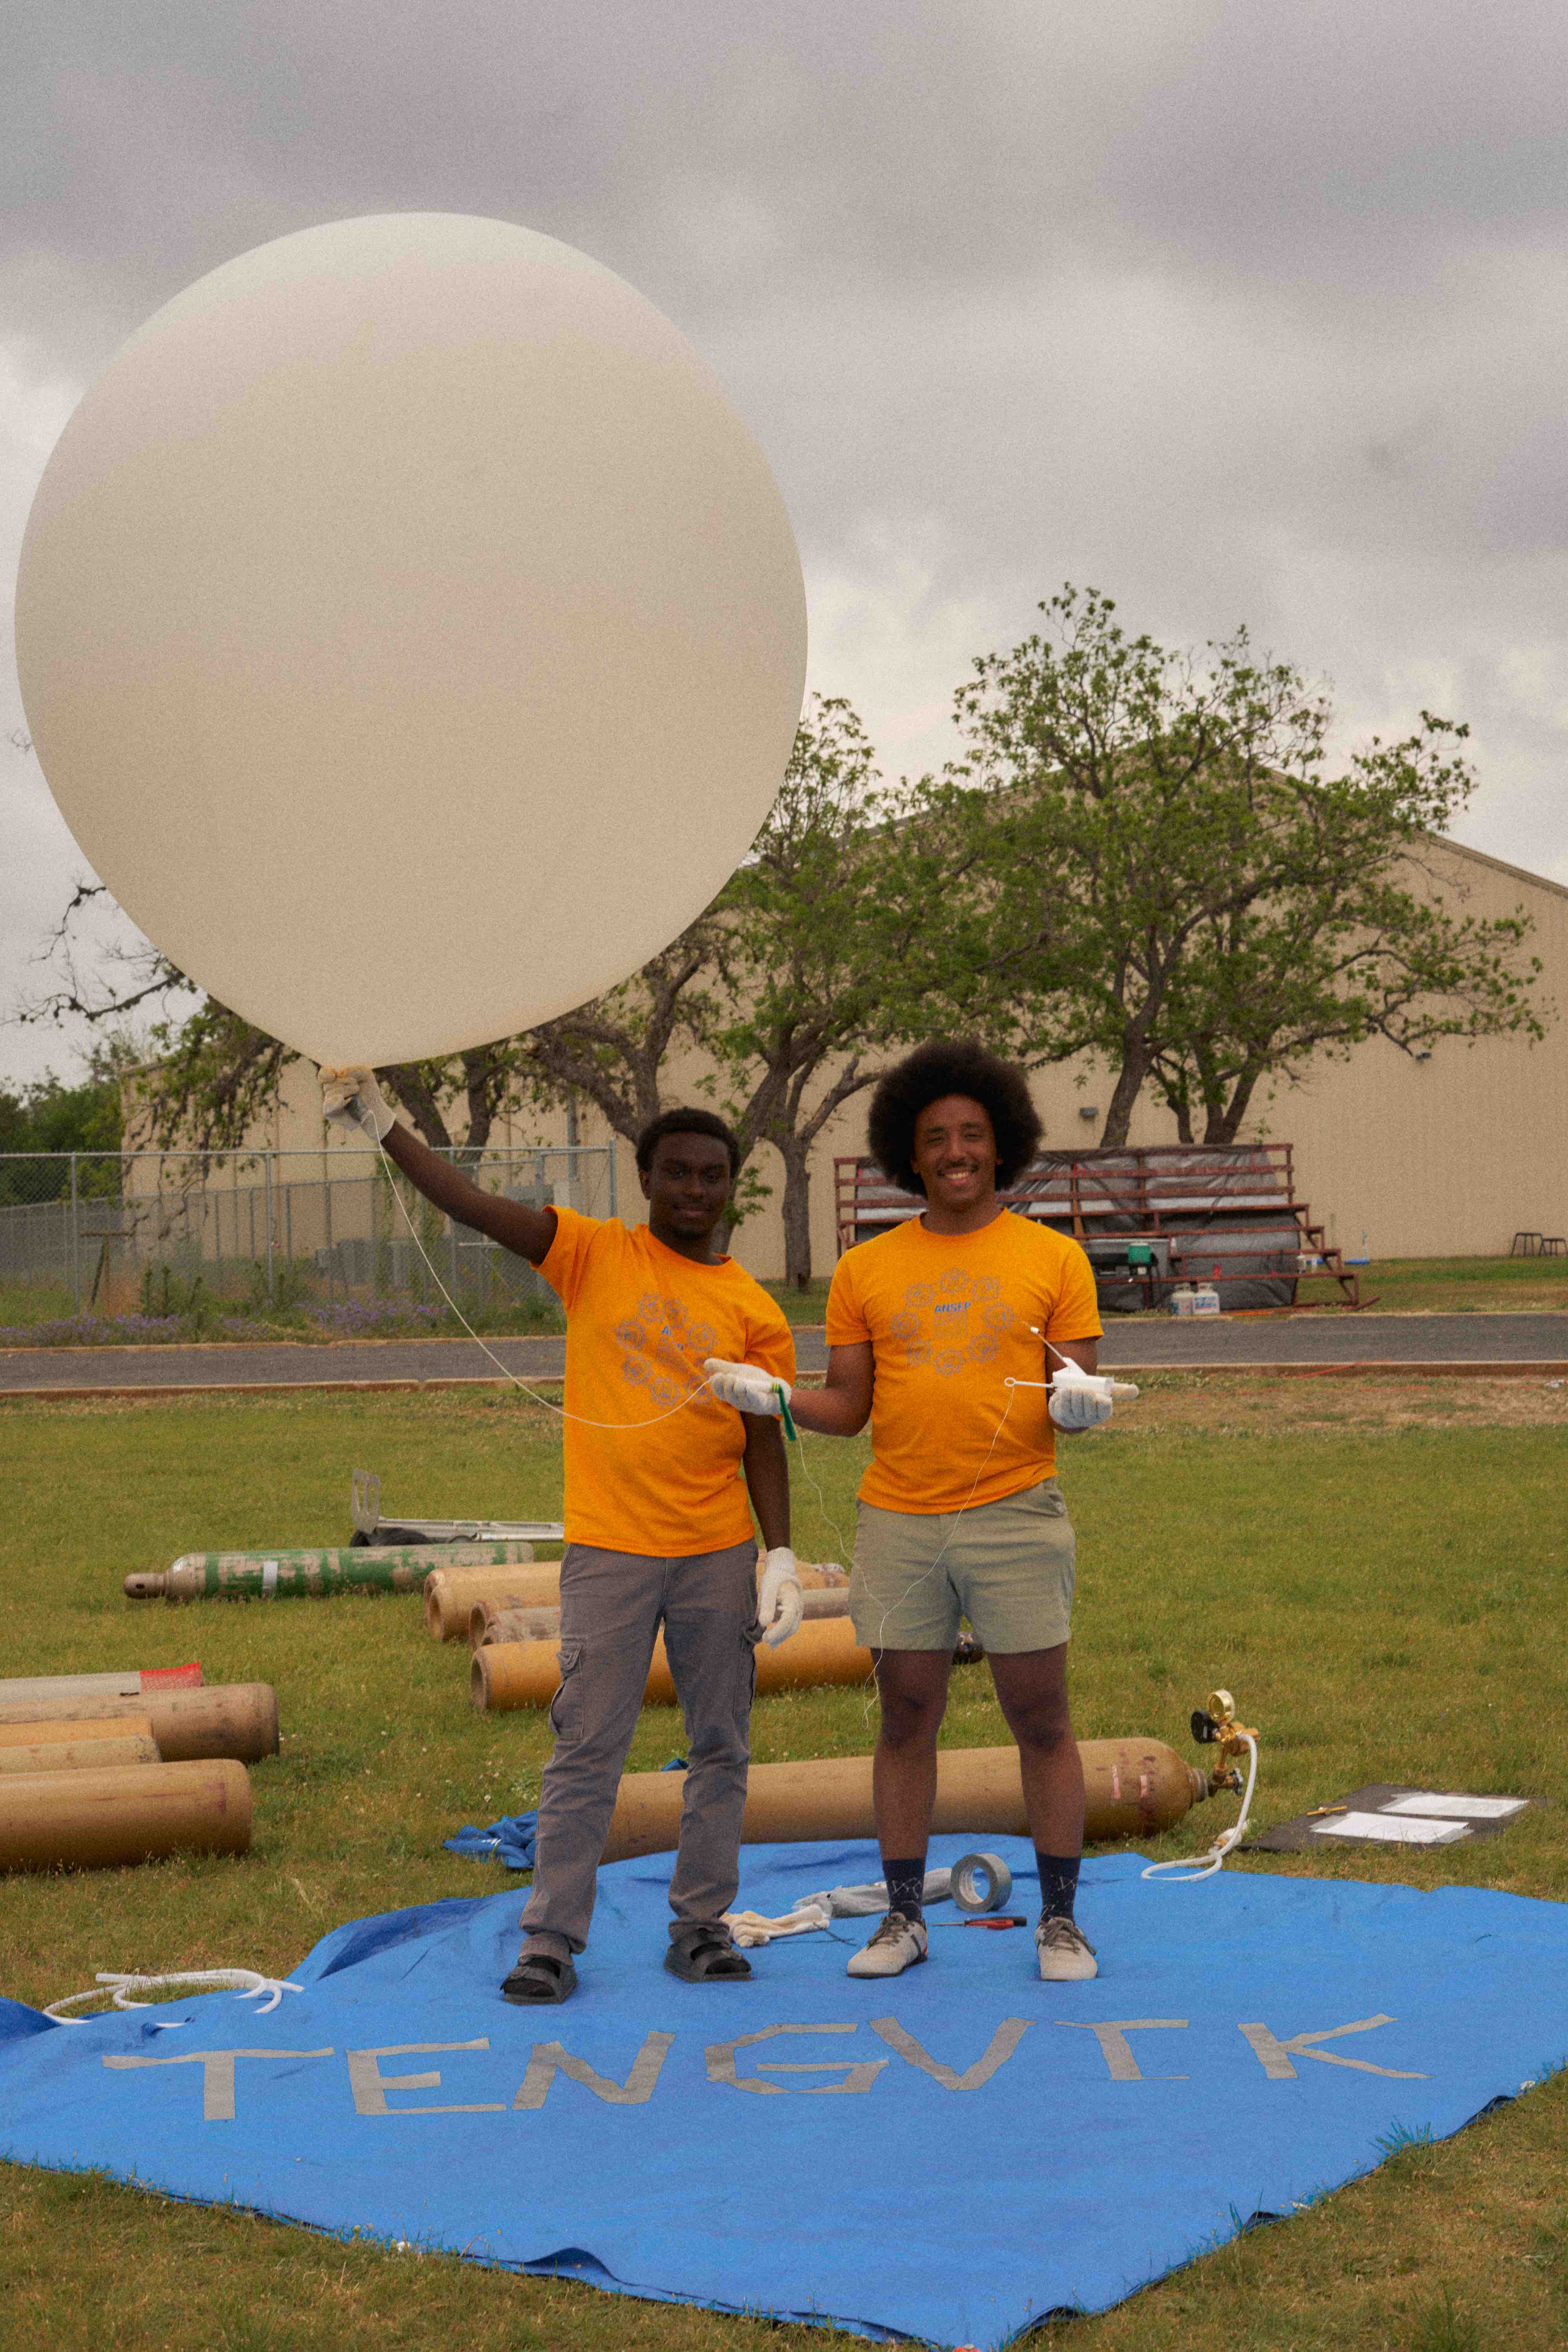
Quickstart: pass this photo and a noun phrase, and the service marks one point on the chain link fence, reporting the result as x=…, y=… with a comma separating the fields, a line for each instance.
x=144, y=1233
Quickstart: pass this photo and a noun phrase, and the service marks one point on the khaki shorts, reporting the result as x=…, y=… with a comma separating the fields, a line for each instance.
x=1007, y=1566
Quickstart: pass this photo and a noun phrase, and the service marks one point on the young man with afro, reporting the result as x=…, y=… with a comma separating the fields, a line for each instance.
x=928, y=1328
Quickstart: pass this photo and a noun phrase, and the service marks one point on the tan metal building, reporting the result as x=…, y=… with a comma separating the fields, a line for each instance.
x=1400, y=1158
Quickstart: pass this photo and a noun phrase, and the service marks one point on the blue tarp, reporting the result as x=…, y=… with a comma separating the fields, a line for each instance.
x=945, y=2156
x=510, y=1840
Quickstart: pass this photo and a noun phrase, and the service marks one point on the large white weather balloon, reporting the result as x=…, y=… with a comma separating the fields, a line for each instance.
x=411, y=634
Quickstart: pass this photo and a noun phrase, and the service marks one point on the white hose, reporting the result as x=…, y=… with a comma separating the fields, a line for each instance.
x=244, y=1984
x=1205, y=1864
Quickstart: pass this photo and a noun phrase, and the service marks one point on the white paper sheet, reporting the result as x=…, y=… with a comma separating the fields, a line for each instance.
x=1455, y=1808
x=1391, y=1829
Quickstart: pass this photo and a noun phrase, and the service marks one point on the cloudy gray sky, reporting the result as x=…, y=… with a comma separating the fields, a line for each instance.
x=1240, y=309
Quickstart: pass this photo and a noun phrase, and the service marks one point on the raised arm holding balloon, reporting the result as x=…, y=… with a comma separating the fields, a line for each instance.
x=352, y=1099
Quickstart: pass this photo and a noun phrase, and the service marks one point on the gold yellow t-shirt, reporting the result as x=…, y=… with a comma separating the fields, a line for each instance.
x=640, y=1318
x=948, y=1318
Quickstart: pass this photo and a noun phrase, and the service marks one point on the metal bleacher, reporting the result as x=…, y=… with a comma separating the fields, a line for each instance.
x=1150, y=1218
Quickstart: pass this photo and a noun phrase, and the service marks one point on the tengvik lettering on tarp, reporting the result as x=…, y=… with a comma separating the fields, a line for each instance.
x=369, y=2086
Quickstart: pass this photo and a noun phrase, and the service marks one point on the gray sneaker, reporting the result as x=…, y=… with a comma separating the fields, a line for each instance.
x=897, y=1944
x=1065, y=1953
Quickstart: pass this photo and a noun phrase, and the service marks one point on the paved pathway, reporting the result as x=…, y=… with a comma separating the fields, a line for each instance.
x=1470, y=1339
x=1338, y=1339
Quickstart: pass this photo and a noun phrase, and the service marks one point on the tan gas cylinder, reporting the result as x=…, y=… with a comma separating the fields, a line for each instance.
x=829, y=1579
x=494, y=1621
x=507, y=1675
x=136, y=1724
x=450, y=1594
x=80, y=1755
x=1134, y=1788
x=227, y=1719
x=825, y=1650
x=51, y=1820
x=133, y=1682
x=500, y=1621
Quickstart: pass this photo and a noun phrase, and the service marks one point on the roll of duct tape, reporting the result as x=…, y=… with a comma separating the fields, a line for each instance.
x=981, y=1882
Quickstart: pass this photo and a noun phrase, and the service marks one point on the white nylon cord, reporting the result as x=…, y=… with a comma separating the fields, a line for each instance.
x=830, y=1519
x=246, y=1984
x=1205, y=1864
x=583, y=1419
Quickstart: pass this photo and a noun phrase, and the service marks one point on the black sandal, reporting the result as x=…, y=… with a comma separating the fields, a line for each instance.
x=707, y=1960
x=538, y=1979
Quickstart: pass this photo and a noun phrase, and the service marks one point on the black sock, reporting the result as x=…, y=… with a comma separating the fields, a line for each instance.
x=906, y=1886
x=1058, y=1884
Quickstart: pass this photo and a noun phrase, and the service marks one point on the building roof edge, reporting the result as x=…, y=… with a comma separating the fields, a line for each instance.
x=1501, y=865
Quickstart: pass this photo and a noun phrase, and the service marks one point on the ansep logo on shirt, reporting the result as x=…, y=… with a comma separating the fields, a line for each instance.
x=665, y=1353
x=956, y=1320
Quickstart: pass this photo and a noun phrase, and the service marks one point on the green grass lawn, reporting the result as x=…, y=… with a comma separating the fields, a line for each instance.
x=801, y=1307
x=1466, y=1286
x=1381, y=1590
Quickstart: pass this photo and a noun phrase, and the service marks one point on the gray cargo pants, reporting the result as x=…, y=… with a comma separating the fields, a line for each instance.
x=611, y=1605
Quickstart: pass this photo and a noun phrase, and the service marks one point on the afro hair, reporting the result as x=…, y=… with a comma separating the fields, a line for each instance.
x=953, y=1065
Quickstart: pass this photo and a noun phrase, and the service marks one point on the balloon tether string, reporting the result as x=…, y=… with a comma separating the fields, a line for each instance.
x=583, y=1419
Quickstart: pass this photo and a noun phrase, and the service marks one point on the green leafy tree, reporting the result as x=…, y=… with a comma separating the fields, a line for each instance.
x=1274, y=991
x=204, y=1079
x=85, y=1117
x=613, y=1051
x=778, y=1002
x=783, y=993
x=814, y=925
x=50, y=1117
x=1155, y=869
x=213, y=1077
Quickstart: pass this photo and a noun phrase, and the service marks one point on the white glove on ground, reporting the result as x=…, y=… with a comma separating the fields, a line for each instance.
x=747, y=1387
x=350, y=1098
x=749, y=1929
x=779, y=1596
x=1079, y=1400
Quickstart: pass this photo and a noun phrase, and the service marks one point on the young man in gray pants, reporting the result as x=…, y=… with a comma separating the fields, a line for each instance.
x=658, y=1530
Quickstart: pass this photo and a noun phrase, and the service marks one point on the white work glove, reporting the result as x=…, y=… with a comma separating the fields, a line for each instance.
x=778, y=1596
x=350, y=1098
x=747, y=1388
x=1079, y=1399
